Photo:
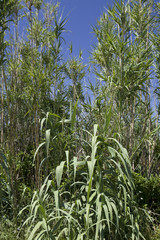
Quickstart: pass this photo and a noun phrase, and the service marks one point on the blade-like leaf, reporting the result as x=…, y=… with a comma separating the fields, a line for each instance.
x=59, y=172
x=73, y=118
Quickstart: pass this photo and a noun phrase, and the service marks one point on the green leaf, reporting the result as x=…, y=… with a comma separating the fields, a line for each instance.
x=67, y=157
x=75, y=167
x=35, y=229
x=38, y=150
x=56, y=197
x=107, y=119
x=55, y=115
x=73, y=118
x=48, y=131
x=40, y=235
x=99, y=213
x=107, y=216
x=87, y=215
x=57, y=225
x=59, y=172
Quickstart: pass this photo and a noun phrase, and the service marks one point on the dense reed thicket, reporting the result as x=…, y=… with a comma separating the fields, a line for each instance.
x=79, y=159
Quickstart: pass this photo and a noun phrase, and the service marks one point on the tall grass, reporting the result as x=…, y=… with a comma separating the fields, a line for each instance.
x=86, y=197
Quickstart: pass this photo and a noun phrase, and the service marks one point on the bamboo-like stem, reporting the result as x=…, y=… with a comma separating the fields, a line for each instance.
x=2, y=110
x=2, y=86
x=147, y=97
x=132, y=120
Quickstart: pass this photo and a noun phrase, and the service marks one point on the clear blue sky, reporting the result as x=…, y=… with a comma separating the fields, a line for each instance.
x=82, y=15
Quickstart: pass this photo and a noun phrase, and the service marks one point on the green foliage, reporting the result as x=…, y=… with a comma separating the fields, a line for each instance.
x=5, y=187
x=156, y=235
x=95, y=199
x=148, y=192
x=124, y=58
x=80, y=182
x=7, y=231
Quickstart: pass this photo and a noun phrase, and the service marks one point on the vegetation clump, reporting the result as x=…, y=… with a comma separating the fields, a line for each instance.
x=79, y=163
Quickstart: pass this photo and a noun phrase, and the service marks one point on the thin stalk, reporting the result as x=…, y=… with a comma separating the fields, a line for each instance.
x=2, y=110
